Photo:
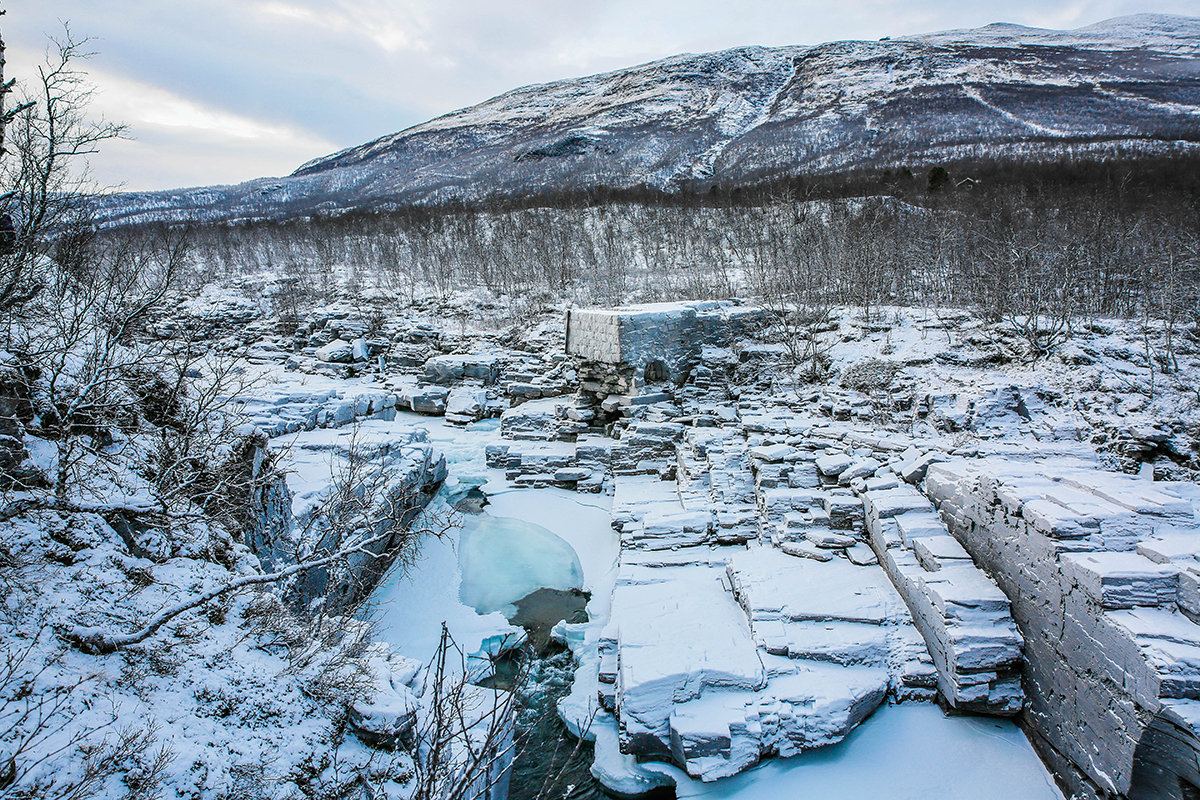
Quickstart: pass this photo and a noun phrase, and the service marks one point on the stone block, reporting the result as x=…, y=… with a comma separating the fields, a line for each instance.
x=931, y=551
x=771, y=453
x=832, y=465
x=1122, y=580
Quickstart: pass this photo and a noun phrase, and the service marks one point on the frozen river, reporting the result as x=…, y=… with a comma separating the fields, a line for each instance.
x=527, y=539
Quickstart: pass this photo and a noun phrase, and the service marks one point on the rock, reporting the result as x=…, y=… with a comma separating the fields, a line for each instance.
x=537, y=419
x=391, y=714
x=932, y=551
x=1122, y=580
x=859, y=469
x=913, y=471
x=806, y=549
x=338, y=351
x=772, y=453
x=426, y=399
x=829, y=539
x=832, y=465
x=862, y=555
x=360, y=350
x=465, y=405
x=455, y=368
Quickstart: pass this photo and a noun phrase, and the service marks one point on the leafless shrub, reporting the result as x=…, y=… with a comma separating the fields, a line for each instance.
x=869, y=375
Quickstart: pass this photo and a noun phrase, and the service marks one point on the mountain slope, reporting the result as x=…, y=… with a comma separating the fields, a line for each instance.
x=1128, y=85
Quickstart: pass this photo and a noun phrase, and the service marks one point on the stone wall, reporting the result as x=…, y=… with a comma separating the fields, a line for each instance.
x=670, y=333
x=594, y=334
x=666, y=333
x=1096, y=566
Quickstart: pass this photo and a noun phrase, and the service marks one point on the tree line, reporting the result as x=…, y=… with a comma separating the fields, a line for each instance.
x=1110, y=245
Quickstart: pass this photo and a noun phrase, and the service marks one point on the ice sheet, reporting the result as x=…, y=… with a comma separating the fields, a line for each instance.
x=503, y=559
x=908, y=752
x=582, y=520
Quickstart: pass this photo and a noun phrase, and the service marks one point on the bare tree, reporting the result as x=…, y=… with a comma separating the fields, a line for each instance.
x=81, y=337
x=43, y=187
x=372, y=519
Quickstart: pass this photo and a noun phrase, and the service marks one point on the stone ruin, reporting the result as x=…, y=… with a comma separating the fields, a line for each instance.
x=625, y=352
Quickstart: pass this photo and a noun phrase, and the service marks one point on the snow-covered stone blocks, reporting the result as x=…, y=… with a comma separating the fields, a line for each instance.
x=963, y=615
x=659, y=341
x=1100, y=569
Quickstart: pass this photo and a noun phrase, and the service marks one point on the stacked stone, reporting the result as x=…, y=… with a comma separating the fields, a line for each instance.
x=965, y=618
x=291, y=412
x=581, y=465
x=601, y=380
x=1101, y=570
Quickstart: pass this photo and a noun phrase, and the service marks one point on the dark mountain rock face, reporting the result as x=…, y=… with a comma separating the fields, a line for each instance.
x=1127, y=86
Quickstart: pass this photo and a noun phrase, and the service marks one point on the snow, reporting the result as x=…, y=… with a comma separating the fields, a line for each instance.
x=411, y=608
x=904, y=752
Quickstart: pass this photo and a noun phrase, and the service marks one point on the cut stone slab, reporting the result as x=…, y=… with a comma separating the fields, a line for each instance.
x=806, y=549
x=932, y=551
x=894, y=502
x=773, y=453
x=721, y=734
x=859, y=469
x=1170, y=543
x=674, y=639
x=862, y=555
x=1122, y=580
x=833, y=465
x=919, y=525
x=771, y=586
x=829, y=539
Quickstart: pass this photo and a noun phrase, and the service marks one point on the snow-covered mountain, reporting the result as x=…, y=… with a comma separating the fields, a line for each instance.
x=1129, y=85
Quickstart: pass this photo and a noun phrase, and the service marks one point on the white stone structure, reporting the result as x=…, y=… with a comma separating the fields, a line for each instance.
x=1102, y=574
x=658, y=341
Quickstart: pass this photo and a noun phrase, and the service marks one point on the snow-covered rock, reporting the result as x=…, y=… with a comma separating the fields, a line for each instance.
x=338, y=351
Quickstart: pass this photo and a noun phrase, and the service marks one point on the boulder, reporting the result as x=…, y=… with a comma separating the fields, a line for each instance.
x=339, y=351
x=425, y=399
x=465, y=405
x=454, y=368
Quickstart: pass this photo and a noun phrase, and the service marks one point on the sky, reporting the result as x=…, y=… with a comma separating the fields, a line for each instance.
x=222, y=91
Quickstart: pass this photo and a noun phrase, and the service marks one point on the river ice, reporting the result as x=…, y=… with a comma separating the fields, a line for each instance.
x=904, y=752
x=530, y=538
x=503, y=559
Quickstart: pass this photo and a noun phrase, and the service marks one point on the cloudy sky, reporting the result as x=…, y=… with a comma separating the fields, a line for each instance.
x=221, y=91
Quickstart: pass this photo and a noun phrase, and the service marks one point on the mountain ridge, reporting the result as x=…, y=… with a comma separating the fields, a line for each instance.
x=750, y=114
